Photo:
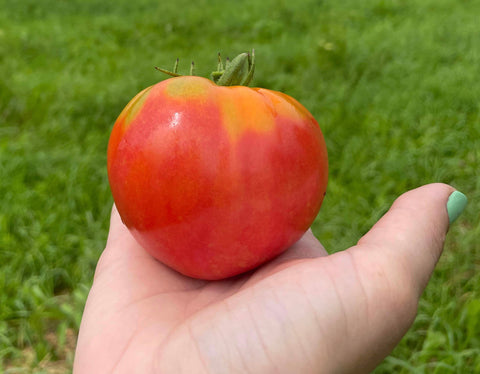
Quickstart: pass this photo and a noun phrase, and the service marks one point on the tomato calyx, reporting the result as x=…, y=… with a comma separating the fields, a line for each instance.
x=237, y=72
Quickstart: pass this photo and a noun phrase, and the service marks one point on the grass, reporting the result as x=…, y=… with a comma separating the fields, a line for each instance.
x=393, y=84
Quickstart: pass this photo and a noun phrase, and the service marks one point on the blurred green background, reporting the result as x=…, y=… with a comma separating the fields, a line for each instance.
x=392, y=83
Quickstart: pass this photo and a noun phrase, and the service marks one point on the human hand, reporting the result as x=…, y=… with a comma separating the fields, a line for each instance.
x=303, y=312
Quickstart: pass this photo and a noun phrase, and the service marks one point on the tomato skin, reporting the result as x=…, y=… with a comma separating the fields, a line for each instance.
x=214, y=181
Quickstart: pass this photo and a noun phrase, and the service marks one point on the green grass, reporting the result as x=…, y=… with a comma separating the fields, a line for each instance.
x=393, y=84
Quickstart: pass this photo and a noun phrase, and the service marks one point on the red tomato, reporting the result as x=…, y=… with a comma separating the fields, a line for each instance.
x=214, y=181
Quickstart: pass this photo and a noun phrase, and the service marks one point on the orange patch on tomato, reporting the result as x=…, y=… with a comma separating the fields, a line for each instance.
x=133, y=107
x=244, y=110
x=284, y=105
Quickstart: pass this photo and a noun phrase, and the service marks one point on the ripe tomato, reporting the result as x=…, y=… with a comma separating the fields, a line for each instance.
x=214, y=181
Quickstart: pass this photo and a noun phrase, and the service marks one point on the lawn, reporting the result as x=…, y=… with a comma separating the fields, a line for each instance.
x=392, y=83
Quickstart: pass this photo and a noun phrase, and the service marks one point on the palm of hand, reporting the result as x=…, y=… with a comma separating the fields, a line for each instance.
x=146, y=316
x=303, y=312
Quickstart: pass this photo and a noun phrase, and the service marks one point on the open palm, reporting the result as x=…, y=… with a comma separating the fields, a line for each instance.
x=304, y=312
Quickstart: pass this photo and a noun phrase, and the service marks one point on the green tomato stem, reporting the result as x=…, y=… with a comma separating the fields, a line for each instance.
x=237, y=72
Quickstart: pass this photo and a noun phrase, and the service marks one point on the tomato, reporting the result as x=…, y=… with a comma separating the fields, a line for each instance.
x=214, y=181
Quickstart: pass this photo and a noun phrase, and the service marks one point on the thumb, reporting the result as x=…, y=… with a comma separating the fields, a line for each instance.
x=393, y=263
x=411, y=234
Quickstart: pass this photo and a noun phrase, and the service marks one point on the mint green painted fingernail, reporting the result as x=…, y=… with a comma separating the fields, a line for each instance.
x=456, y=203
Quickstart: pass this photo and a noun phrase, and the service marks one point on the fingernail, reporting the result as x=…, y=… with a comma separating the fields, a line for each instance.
x=456, y=203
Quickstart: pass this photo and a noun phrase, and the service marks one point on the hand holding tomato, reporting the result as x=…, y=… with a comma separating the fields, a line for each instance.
x=303, y=312
x=216, y=180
